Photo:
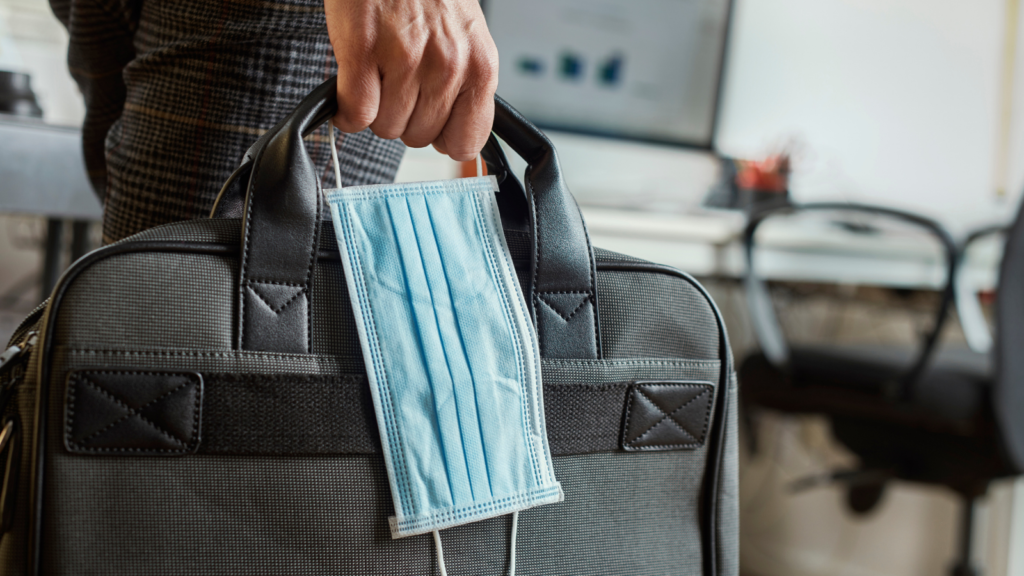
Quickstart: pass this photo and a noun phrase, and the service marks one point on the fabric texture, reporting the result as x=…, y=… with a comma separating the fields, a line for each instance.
x=176, y=92
x=624, y=513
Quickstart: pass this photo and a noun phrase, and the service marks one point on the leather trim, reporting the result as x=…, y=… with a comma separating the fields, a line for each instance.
x=667, y=415
x=280, y=235
x=132, y=412
x=296, y=415
x=562, y=259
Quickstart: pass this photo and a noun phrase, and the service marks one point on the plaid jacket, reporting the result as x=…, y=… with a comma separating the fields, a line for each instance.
x=175, y=92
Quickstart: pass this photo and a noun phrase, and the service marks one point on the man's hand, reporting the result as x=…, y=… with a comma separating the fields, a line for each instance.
x=424, y=71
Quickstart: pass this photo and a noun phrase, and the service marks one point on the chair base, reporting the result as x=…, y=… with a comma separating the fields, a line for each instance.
x=963, y=565
x=962, y=570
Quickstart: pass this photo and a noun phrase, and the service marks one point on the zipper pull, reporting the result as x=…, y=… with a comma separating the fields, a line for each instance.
x=18, y=349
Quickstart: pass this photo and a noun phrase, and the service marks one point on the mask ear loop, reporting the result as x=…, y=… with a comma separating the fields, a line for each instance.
x=440, y=553
x=334, y=154
x=512, y=545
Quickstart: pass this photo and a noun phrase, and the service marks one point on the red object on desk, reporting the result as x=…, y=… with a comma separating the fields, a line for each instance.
x=768, y=175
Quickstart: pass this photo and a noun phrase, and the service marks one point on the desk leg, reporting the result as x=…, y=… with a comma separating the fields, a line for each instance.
x=80, y=245
x=52, y=261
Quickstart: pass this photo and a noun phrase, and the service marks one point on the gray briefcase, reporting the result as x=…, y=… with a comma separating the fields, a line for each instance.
x=192, y=400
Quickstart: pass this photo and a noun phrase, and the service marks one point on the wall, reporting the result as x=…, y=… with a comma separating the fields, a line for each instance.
x=33, y=41
x=891, y=101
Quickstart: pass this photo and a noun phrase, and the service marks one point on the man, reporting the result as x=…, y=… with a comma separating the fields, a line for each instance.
x=175, y=92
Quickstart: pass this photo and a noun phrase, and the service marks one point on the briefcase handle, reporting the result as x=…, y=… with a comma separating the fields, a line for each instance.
x=282, y=215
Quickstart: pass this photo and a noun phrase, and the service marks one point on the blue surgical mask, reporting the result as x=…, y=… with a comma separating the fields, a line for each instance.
x=450, y=351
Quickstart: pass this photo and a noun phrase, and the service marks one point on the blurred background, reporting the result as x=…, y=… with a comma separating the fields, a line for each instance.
x=678, y=122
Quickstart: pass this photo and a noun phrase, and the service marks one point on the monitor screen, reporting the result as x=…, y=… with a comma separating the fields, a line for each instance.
x=639, y=69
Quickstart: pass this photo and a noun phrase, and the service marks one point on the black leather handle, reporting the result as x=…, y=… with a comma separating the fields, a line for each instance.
x=563, y=285
x=282, y=218
x=280, y=233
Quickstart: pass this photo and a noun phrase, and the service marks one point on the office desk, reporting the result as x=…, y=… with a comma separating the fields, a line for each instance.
x=708, y=243
x=42, y=173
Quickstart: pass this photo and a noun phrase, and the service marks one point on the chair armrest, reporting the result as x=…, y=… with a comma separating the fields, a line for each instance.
x=968, y=307
x=766, y=326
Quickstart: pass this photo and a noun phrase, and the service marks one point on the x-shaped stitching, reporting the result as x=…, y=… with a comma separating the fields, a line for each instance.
x=132, y=411
x=263, y=299
x=667, y=415
x=571, y=314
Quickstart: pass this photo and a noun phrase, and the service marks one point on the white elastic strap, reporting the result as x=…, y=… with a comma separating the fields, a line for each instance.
x=334, y=154
x=512, y=552
x=479, y=166
x=440, y=553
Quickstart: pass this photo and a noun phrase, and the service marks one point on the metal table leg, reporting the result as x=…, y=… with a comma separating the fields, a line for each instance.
x=80, y=244
x=52, y=257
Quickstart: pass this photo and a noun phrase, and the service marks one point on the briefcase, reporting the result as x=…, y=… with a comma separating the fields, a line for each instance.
x=193, y=399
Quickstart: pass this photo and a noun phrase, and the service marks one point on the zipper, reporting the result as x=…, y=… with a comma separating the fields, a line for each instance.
x=30, y=322
x=9, y=360
x=20, y=349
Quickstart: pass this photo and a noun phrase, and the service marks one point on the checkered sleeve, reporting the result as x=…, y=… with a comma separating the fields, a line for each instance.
x=177, y=91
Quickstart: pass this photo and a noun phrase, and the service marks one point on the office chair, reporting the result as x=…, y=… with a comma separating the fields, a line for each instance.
x=969, y=310
x=939, y=416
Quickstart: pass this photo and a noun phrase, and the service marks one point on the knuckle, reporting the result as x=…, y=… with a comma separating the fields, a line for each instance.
x=356, y=118
x=485, y=69
x=416, y=141
x=457, y=54
x=404, y=56
x=386, y=132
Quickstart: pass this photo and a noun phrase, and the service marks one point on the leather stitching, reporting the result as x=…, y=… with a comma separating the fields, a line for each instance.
x=245, y=251
x=312, y=258
x=274, y=282
x=593, y=283
x=130, y=413
x=536, y=257
x=264, y=300
x=667, y=416
x=571, y=314
x=309, y=269
x=82, y=378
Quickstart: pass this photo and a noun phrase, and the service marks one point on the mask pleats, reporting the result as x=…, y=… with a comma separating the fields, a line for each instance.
x=450, y=353
x=499, y=406
x=438, y=398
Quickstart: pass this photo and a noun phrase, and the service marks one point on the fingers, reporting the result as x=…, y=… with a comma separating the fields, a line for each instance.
x=436, y=97
x=421, y=71
x=472, y=115
x=359, y=91
x=400, y=88
x=469, y=125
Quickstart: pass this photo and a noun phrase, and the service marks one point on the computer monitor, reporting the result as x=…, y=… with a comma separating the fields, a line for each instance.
x=638, y=69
